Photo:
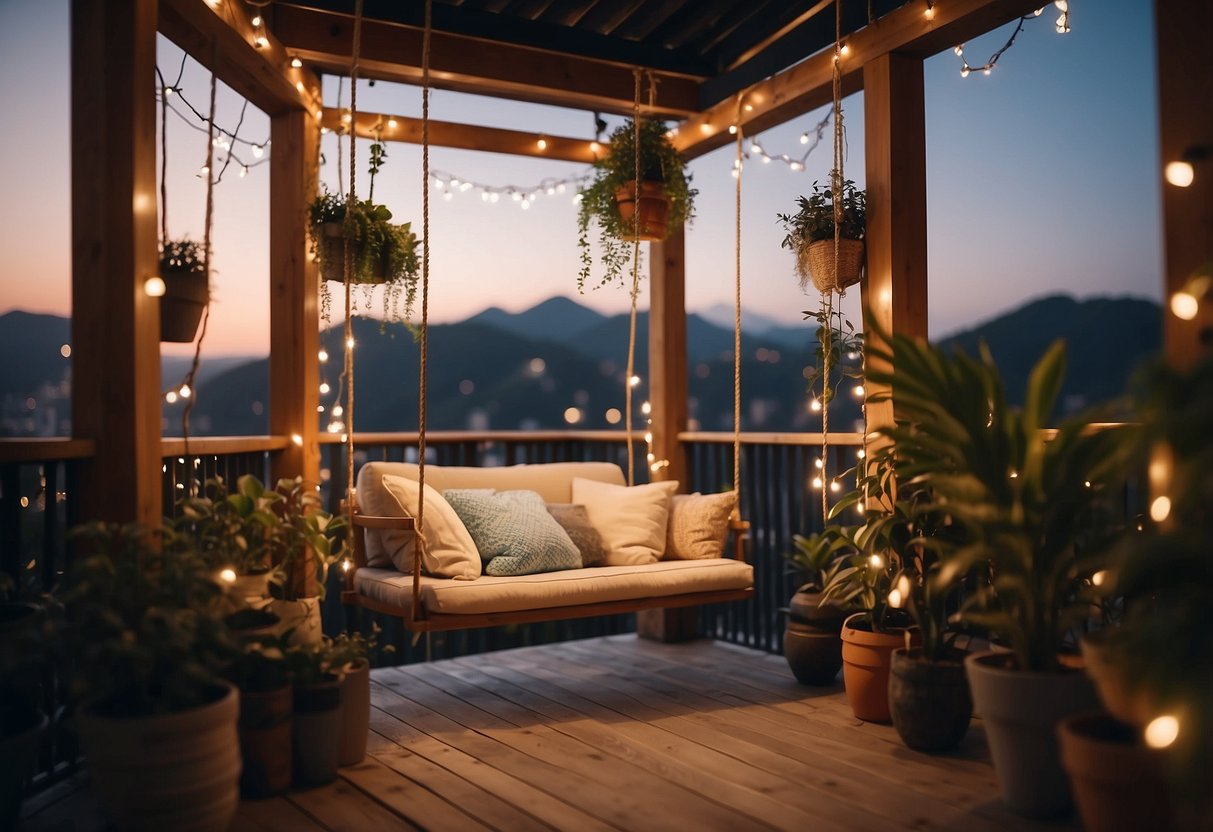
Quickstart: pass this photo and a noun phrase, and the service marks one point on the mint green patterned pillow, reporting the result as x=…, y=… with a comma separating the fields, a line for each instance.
x=513, y=531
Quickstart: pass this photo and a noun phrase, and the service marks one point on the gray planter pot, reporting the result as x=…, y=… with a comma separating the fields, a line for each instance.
x=1021, y=710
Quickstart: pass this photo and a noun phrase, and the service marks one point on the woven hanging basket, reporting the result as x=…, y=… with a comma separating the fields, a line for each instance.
x=817, y=264
x=654, y=210
x=332, y=258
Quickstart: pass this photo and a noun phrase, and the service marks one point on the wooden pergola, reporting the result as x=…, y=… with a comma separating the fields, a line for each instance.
x=757, y=63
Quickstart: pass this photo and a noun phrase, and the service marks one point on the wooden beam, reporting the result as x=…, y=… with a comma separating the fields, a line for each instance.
x=463, y=136
x=1184, y=29
x=294, y=289
x=895, y=288
x=222, y=38
x=668, y=353
x=809, y=84
x=392, y=52
x=115, y=325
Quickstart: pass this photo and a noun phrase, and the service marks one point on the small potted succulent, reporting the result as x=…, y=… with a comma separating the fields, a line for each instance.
x=810, y=235
x=186, y=289
x=811, y=641
x=628, y=206
x=383, y=252
x=145, y=646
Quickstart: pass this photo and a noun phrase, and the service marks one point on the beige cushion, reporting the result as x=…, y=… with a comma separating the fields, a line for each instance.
x=553, y=481
x=699, y=525
x=575, y=521
x=449, y=552
x=632, y=521
x=571, y=587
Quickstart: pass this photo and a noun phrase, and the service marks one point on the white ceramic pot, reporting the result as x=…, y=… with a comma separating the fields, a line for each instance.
x=301, y=617
x=175, y=771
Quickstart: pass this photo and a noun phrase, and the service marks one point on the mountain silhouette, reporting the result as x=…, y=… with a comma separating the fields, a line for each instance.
x=556, y=318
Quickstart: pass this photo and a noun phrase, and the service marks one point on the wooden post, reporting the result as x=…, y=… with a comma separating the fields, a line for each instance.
x=1184, y=29
x=895, y=289
x=668, y=396
x=294, y=287
x=115, y=325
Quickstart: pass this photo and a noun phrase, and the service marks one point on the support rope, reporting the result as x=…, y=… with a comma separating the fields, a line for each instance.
x=631, y=371
x=737, y=318
x=418, y=537
x=836, y=181
x=351, y=205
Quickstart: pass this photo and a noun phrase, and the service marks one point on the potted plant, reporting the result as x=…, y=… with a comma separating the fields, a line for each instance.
x=875, y=551
x=1034, y=509
x=383, y=252
x=349, y=654
x=316, y=735
x=810, y=234
x=145, y=648
x=24, y=653
x=627, y=206
x=260, y=670
x=811, y=642
x=186, y=290
x=230, y=531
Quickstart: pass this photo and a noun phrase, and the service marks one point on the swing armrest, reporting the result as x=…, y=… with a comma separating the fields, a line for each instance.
x=740, y=530
x=366, y=521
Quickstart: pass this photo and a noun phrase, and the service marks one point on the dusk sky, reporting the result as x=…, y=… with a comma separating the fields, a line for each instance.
x=1043, y=177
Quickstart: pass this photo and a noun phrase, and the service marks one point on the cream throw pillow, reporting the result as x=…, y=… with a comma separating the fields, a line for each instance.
x=450, y=551
x=632, y=521
x=699, y=525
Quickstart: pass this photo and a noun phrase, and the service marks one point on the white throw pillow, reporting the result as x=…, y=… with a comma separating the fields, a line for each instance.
x=450, y=551
x=699, y=525
x=632, y=521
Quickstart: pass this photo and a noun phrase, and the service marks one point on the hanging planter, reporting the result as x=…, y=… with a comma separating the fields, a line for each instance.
x=810, y=234
x=186, y=290
x=666, y=198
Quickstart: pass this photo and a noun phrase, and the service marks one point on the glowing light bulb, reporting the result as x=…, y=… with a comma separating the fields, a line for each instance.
x=634, y=380
x=796, y=166
x=261, y=42
x=296, y=63
x=1179, y=174
x=525, y=205
x=1160, y=509
x=185, y=392
x=346, y=565
x=818, y=464
x=861, y=453
x=228, y=575
x=815, y=405
x=243, y=171
x=297, y=439
x=705, y=128
x=646, y=408
x=323, y=355
x=349, y=343
x=1099, y=577
x=595, y=147
x=858, y=391
x=804, y=138
x=895, y=599
x=816, y=482
x=168, y=91
x=171, y=397
x=845, y=49
x=964, y=72
x=66, y=350
x=732, y=129
x=835, y=486
x=876, y=561
x=256, y=21
x=542, y=144
x=154, y=287
x=258, y=151
x=447, y=196
x=1184, y=306
x=929, y=13
x=338, y=410
x=1162, y=731
x=987, y=70
x=1062, y=5
x=324, y=388
x=392, y=124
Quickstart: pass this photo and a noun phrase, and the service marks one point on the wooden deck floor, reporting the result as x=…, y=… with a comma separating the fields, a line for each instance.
x=621, y=733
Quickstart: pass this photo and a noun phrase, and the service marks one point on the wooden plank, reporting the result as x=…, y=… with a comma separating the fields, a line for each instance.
x=894, y=290
x=275, y=814
x=408, y=799
x=424, y=758
x=342, y=807
x=221, y=37
x=294, y=292
x=750, y=438
x=809, y=83
x=392, y=52
x=220, y=445
x=45, y=450
x=1183, y=31
x=630, y=794
x=392, y=128
x=115, y=325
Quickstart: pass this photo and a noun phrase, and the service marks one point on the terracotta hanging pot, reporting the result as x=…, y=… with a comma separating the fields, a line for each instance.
x=654, y=209
x=332, y=258
x=1117, y=781
x=865, y=666
x=818, y=263
x=185, y=296
x=811, y=642
x=929, y=701
x=265, y=741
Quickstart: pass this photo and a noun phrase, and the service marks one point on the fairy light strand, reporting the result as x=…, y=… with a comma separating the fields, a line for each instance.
x=1062, y=26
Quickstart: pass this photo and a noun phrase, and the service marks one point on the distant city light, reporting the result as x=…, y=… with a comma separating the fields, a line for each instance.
x=66, y=350
x=613, y=416
x=572, y=415
x=538, y=365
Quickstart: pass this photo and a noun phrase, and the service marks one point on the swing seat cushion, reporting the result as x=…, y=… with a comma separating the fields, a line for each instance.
x=570, y=587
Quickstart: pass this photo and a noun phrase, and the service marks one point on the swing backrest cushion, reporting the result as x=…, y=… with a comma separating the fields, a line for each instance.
x=699, y=525
x=449, y=551
x=513, y=531
x=632, y=521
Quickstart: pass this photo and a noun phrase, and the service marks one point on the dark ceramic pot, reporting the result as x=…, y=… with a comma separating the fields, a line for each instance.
x=928, y=701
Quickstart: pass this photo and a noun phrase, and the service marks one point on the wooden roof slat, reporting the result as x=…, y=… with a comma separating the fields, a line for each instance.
x=463, y=136
x=681, y=30
x=641, y=24
x=530, y=9
x=808, y=84
x=605, y=18
x=732, y=20
x=392, y=52
x=567, y=12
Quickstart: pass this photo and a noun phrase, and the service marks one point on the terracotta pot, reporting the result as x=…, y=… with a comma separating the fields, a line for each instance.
x=355, y=712
x=654, y=210
x=18, y=751
x=928, y=701
x=317, y=732
x=1118, y=782
x=1133, y=707
x=301, y=618
x=811, y=642
x=1020, y=710
x=181, y=306
x=865, y=667
x=332, y=256
x=265, y=741
x=174, y=771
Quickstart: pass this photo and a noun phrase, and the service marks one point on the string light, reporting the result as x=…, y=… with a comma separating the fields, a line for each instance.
x=154, y=287
x=296, y=63
x=1062, y=25
x=929, y=12
x=1162, y=731
x=448, y=185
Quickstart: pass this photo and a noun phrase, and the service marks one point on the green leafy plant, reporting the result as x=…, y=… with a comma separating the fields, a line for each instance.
x=302, y=537
x=142, y=624
x=228, y=530
x=815, y=219
x=839, y=352
x=1033, y=509
x=350, y=648
x=182, y=256
x=816, y=563
x=661, y=162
